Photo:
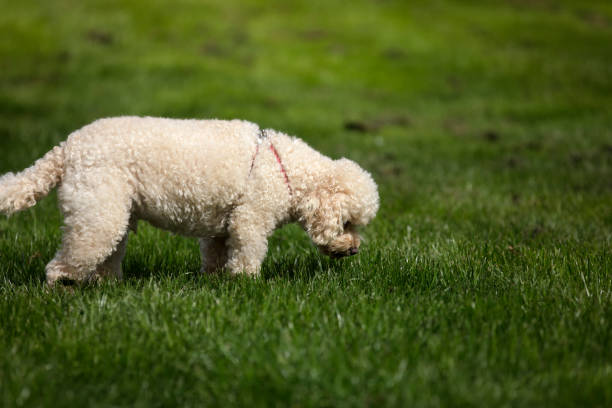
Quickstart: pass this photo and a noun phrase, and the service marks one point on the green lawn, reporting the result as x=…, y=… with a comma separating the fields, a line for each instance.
x=486, y=278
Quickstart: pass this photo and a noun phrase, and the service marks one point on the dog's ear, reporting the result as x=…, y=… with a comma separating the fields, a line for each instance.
x=320, y=213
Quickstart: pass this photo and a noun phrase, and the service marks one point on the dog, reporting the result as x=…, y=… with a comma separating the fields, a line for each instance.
x=228, y=183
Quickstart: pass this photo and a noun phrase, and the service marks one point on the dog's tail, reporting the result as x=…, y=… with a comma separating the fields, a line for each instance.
x=22, y=190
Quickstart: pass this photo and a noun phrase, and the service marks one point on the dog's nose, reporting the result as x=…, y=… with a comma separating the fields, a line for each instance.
x=353, y=251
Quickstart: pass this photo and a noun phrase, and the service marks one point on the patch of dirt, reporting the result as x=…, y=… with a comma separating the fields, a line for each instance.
x=401, y=121
x=248, y=60
x=337, y=49
x=392, y=170
x=536, y=231
x=595, y=157
x=544, y=5
x=512, y=162
x=394, y=53
x=213, y=49
x=533, y=146
x=314, y=34
x=376, y=124
x=593, y=18
x=271, y=102
x=390, y=156
x=576, y=158
x=491, y=136
x=356, y=126
x=454, y=82
x=240, y=38
x=528, y=43
x=456, y=126
x=100, y=37
x=63, y=56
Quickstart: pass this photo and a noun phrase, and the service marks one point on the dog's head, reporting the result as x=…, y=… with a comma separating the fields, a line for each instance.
x=332, y=212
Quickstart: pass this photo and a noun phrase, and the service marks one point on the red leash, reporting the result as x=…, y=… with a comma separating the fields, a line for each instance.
x=278, y=159
x=263, y=135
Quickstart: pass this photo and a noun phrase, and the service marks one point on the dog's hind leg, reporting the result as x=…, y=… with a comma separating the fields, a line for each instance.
x=96, y=217
x=214, y=254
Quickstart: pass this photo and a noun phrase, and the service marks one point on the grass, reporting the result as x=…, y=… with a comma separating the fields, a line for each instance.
x=486, y=277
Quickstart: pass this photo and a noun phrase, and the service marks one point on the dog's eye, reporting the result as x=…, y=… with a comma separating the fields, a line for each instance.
x=347, y=224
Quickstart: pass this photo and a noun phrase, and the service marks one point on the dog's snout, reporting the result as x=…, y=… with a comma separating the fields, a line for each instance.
x=353, y=251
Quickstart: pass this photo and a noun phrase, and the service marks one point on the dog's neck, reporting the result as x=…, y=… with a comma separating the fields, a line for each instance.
x=262, y=137
x=305, y=168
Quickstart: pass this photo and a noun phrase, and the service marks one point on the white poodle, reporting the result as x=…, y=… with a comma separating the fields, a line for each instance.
x=228, y=183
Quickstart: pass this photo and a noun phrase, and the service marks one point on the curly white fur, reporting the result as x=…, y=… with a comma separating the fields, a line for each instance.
x=200, y=178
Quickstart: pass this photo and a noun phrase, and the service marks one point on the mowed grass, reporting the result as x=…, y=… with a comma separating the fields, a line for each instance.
x=485, y=280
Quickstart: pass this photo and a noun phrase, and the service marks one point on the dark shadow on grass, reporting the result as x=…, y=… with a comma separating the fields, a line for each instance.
x=138, y=270
x=145, y=268
x=23, y=271
x=304, y=267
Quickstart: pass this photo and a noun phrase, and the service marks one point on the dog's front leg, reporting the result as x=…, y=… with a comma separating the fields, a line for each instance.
x=248, y=240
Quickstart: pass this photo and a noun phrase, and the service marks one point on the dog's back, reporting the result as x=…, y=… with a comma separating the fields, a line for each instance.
x=171, y=167
x=181, y=172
